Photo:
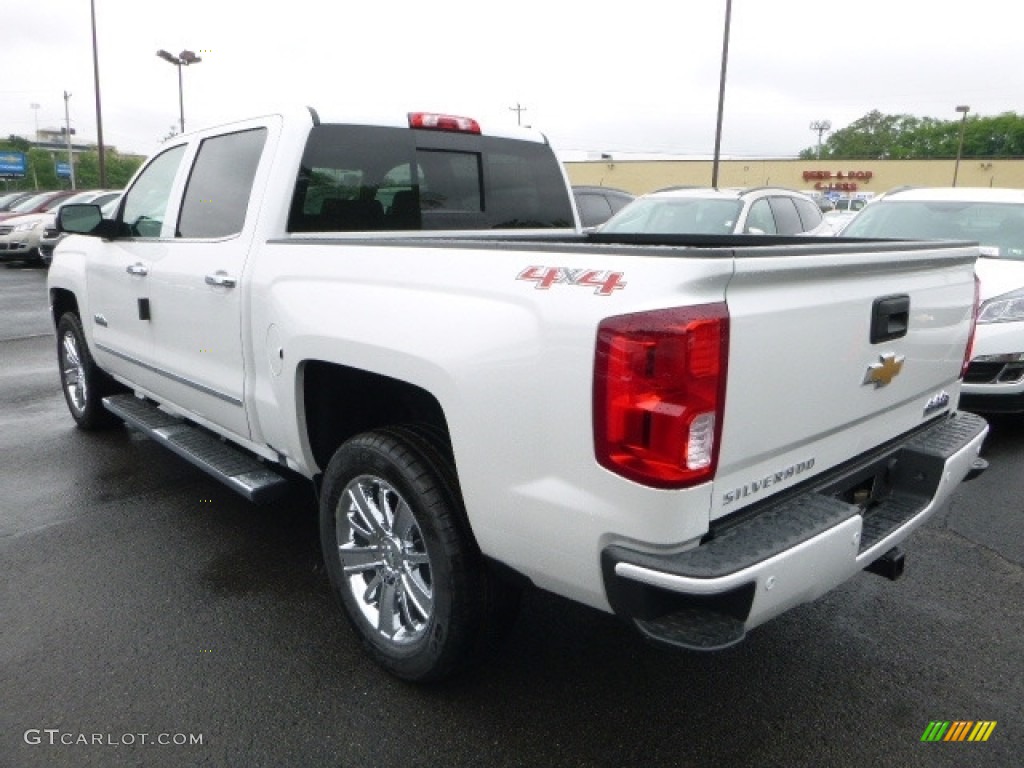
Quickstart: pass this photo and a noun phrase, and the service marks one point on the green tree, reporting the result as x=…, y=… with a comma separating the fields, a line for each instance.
x=905, y=137
x=42, y=170
x=119, y=169
x=17, y=143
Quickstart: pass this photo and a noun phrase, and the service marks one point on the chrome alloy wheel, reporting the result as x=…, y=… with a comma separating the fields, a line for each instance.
x=384, y=559
x=72, y=372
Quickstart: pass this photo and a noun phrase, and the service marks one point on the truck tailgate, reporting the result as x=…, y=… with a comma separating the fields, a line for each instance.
x=832, y=355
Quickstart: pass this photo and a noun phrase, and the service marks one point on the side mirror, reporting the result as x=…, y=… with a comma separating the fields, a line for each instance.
x=84, y=219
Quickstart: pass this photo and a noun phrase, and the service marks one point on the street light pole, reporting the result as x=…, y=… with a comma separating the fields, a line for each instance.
x=721, y=94
x=35, y=108
x=183, y=59
x=963, y=109
x=820, y=127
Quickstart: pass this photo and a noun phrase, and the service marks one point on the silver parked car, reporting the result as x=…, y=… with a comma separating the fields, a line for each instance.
x=106, y=199
x=709, y=211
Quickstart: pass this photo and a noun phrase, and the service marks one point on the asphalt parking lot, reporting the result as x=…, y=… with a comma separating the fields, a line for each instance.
x=150, y=617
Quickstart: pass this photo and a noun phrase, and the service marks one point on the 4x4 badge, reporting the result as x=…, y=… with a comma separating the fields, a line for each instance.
x=885, y=370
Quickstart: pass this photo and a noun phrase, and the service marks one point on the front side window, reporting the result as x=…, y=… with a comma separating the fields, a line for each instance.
x=145, y=204
x=220, y=184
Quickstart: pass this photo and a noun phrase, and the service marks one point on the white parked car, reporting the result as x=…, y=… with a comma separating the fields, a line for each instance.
x=709, y=211
x=994, y=218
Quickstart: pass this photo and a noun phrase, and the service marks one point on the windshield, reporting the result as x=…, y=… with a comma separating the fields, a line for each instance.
x=676, y=216
x=998, y=227
x=55, y=203
x=30, y=203
x=81, y=197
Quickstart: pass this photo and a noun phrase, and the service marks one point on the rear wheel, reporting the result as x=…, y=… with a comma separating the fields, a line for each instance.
x=401, y=558
x=84, y=384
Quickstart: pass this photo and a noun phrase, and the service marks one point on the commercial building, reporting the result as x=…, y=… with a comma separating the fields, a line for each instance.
x=848, y=177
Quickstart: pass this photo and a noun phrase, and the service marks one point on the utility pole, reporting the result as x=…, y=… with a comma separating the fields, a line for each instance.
x=963, y=109
x=99, y=114
x=821, y=126
x=518, y=109
x=67, y=128
x=721, y=94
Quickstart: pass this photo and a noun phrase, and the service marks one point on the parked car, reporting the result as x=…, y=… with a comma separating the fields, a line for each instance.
x=51, y=236
x=708, y=211
x=37, y=203
x=10, y=199
x=21, y=235
x=849, y=204
x=597, y=204
x=994, y=218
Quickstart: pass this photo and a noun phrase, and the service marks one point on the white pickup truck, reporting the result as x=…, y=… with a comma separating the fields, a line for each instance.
x=696, y=434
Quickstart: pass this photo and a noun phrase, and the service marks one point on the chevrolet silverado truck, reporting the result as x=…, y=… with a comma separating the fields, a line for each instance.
x=696, y=434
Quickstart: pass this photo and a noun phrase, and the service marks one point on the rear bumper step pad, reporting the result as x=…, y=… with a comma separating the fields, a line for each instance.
x=799, y=546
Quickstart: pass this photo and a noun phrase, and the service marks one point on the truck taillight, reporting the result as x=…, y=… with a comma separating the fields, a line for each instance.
x=659, y=394
x=974, y=327
x=436, y=122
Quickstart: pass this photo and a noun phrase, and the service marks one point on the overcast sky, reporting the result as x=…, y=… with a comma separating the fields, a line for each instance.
x=635, y=77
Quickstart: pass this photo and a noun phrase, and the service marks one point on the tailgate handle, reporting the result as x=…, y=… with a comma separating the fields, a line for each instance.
x=890, y=318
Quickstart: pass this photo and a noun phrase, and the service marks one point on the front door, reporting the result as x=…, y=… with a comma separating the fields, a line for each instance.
x=117, y=274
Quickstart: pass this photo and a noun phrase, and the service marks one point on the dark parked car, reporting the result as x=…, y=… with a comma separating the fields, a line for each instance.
x=597, y=204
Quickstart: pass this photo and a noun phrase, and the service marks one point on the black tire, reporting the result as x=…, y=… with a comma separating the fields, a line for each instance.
x=417, y=593
x=83, y=383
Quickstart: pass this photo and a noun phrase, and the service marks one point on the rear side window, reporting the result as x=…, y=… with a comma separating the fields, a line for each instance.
x=368, y=178
x=219, y=186
x=786, y=218
x=594, y=209
x=810, y=213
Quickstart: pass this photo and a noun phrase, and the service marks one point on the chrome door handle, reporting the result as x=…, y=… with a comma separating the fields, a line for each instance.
x=221, y=278
x=137, y=269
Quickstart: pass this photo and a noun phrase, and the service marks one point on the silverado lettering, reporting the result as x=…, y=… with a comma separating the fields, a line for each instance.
x=757, y=486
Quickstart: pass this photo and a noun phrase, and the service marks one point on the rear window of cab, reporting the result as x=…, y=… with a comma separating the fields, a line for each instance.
x=369, y=178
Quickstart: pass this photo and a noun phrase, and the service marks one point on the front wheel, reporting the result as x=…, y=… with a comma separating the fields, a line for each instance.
x=84, y=384
x=399, y=554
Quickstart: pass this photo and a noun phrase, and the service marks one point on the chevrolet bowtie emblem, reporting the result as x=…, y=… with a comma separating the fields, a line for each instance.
x=885, y=370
